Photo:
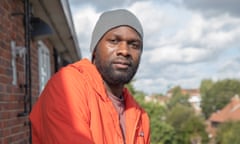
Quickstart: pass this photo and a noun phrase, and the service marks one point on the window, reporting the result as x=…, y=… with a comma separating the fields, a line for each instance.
x=44, y=65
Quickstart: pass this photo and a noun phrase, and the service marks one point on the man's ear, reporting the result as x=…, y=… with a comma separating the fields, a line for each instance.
x=93, y=56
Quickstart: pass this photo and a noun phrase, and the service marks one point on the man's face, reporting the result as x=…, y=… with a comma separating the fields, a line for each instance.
x=117, y=55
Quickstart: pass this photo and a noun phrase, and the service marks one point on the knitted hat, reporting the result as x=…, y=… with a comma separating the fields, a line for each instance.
x=112, y=19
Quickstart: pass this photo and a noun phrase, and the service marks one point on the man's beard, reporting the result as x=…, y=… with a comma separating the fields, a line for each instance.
x=115, y=76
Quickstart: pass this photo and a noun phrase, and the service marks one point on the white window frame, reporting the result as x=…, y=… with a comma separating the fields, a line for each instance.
x=44, y=65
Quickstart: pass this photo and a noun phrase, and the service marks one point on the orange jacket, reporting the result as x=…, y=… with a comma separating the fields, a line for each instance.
x=74, y=109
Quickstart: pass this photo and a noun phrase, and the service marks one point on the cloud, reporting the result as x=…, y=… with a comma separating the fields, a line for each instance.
x=190, y=52
x=229, y=68
x=212, y=8
x=198, y=40
x=185, y=41
x=84, y=21
x=101, y=5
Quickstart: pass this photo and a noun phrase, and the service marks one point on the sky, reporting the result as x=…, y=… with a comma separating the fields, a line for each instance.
x=185, y=41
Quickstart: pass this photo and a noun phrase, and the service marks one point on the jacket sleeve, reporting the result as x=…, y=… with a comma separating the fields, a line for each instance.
x=61, y=115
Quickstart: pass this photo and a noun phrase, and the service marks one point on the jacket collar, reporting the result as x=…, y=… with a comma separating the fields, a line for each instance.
x=92, y=75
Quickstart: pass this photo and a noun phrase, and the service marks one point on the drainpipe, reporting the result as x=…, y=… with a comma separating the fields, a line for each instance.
x=28, y=86
x=28, y=57
x=28, y=82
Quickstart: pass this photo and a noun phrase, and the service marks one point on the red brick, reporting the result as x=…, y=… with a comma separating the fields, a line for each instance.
x=14, y=129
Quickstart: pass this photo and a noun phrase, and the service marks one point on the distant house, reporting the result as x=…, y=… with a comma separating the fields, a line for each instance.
x=37, y=38
x=231, y=112
x=162, y=100
x=194, y=97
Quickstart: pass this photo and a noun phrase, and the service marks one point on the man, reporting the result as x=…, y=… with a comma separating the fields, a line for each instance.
x=86, y=102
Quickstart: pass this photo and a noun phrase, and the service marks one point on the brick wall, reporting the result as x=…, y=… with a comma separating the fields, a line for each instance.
x=15, y=129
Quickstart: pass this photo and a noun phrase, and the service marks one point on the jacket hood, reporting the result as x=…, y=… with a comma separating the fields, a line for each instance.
x=92, y=75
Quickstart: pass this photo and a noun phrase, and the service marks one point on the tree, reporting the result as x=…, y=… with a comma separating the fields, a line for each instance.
x=161, y=132
x=174, y=124
x=178, y=98
x=218, y=95
x=228, y=133
x=188, y=127
x=205, y=86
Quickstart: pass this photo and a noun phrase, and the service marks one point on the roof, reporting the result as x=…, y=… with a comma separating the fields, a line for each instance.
x=57, y=14
x=230, y=112
x=191, y=92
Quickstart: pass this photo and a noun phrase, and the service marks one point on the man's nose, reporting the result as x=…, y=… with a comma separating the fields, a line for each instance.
x=123, y=49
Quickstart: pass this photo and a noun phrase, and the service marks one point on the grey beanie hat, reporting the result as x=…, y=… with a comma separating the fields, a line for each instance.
x=111, y=19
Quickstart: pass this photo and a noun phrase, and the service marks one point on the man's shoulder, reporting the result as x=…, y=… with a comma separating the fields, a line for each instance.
x=81, y=66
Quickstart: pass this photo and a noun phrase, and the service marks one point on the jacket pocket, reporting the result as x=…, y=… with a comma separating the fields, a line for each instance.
x=140, y=137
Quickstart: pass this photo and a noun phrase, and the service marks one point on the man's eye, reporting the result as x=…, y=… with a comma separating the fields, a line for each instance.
x=135, y=45
x=114, y=41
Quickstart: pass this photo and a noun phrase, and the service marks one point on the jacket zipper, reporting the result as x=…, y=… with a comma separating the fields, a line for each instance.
x=135, y=128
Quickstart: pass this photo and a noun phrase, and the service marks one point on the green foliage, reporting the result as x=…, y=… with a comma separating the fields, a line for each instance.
x=178, y=114
x=188, y=126
x=195, y=127
x=216, y=95
x=228, y=133
x=178, y=98
x=205, y=86
x=174, y=124
x=161, y=132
